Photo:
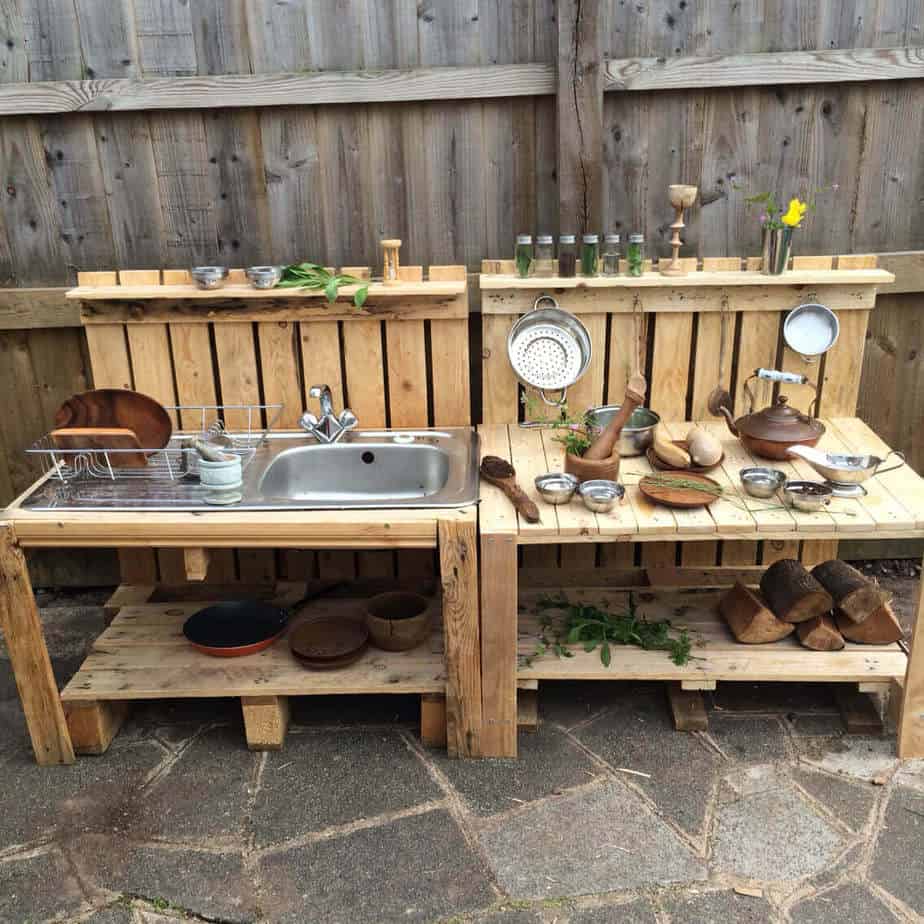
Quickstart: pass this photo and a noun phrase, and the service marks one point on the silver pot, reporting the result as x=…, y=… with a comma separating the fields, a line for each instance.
x=638, y=433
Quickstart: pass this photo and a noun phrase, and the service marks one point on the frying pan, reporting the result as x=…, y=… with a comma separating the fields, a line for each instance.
x=241, y=627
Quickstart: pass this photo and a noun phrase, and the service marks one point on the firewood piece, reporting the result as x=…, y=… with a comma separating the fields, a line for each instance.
x=854, y=594
x=792, y=593
x=749, y=619
x=820, y=634
x=881, y=628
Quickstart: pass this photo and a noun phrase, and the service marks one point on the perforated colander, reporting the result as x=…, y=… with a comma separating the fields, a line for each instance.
x=549, y=349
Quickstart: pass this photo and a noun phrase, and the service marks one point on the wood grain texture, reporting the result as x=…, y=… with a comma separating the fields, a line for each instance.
x=28, y=654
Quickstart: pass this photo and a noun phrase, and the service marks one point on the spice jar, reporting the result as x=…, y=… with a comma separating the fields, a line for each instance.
x=567, y=255
x=545, y=256
x=524, y=255
x=611, y=255
x=635, y=254
x=590, y=254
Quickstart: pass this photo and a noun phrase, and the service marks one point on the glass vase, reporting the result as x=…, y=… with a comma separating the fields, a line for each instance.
x=777, y=247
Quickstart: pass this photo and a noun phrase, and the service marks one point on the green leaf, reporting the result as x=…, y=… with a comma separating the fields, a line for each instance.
x=590, y=644
x=605, y=654
x=574, y=635
x=359, y=299
x=330, y=290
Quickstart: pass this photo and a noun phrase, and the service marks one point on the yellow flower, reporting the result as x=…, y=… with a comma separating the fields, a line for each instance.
x=794, y=213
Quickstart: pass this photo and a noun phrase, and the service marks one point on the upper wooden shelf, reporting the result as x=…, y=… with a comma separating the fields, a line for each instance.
x=691, y=280
x=245, y=291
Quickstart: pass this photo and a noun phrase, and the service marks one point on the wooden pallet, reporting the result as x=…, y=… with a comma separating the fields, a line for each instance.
x=143, y=655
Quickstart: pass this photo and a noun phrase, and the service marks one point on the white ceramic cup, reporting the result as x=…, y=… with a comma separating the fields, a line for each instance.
x=225, y=474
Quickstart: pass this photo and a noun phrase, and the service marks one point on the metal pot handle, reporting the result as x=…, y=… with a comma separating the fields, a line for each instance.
x=560, y=403
x=544, y=298
x=892, y=468
x=777, y=375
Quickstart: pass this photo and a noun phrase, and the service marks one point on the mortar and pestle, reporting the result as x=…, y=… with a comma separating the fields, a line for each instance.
x=601, y=459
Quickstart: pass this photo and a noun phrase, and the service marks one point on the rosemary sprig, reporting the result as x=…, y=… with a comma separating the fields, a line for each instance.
x=313, y=276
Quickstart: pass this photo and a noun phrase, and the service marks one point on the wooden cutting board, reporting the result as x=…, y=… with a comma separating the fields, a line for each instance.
x=99, y=439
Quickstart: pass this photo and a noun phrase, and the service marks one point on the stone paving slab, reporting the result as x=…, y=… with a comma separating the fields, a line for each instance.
x=851, y=802
x=35, y=888
x=719, y=907
x=898, y=860
x=848, y=903
x=600, y=839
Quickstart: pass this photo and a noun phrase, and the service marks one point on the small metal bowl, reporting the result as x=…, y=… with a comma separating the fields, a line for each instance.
x=762, y=482
x=556, y=487
x=810, y=496
x=209, y=277
x=600, y=495
x=264, y=277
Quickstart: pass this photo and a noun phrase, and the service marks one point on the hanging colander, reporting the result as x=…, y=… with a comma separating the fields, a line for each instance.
x=549, y=349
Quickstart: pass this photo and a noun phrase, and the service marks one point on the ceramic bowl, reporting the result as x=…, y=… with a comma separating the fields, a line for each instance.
x=398, y=621
x=556, y=487
x=600, y=495
x=209, y=277
x=762, y=482
x=221, y=475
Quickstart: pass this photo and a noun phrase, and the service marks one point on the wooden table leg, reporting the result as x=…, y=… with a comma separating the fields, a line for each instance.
x=911, y=726
x=25, y=642
x=458, y=546
x=499, y=645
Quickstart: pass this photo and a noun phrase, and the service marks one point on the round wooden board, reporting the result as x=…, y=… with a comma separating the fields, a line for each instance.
x=327, y=638
x=678, y=497
x=661, y=466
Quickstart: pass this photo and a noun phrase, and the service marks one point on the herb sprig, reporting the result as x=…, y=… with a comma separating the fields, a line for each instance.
x=313, y=276
x=592, y=628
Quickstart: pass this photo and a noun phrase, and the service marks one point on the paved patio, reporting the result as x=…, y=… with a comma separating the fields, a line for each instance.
x=608, y=816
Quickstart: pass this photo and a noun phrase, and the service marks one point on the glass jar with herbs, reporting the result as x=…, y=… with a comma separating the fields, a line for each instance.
x=611, y=255
x=523, y=255
x=544, y=264
x=635, y=254
x=567, y=256
x=590, y=254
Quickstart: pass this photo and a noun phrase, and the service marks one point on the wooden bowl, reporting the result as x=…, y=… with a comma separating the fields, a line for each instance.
x=118, y=407
x=398, y=621
x=662, y=466
x=593, y=469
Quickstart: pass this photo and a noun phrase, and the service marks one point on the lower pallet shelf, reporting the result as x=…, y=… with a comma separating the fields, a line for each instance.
x=716, y=654
x=143, y=655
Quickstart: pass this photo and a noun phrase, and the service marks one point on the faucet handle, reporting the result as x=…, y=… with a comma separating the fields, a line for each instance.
x=347, y=419
x=308, y=421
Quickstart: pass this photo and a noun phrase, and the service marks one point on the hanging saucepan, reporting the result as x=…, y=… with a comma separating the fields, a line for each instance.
x=769, y=433
x=811, y=330
x=549, y=350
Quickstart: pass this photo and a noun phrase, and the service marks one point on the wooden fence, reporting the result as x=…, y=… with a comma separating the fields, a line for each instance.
x=142, y=134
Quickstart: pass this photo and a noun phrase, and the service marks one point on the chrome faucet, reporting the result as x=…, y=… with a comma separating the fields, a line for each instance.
x=330, y=427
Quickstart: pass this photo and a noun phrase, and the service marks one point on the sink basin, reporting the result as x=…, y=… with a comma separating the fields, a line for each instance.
x=365, y=472
x=371, y=469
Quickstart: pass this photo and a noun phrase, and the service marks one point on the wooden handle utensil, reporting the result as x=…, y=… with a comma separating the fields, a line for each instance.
x=602, y=447
x=502, y=474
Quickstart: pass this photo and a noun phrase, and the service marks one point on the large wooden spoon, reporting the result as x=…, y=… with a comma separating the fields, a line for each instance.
x=602, y=447
x=501, y=473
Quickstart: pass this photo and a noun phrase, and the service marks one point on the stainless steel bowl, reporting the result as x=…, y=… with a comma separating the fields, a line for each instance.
x=556, y=487
x=809, y=496
x=600, y=495
x=264, y=277
x=638, y=434
x=762, y=482
x=209, y=277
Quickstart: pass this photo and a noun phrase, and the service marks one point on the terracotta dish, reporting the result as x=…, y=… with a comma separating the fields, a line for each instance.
x=235, y=628
x=678, y=497
x=118, y=407
x=326, y=642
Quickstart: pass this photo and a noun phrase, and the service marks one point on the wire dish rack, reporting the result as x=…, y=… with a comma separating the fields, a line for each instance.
x=172, y=462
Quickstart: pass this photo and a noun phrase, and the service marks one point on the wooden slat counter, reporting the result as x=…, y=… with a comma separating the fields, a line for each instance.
x=892, y=508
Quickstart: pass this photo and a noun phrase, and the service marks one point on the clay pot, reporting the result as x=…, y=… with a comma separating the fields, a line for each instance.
x=590, y=469
x=398, y=621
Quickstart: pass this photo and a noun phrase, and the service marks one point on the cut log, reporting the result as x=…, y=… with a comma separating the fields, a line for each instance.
x=854, y=594
x=792, y=593
x=749, y=619
x=881, y=628
x=820, y=634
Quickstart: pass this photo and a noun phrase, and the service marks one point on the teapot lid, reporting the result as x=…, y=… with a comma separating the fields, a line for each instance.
x=780, y=422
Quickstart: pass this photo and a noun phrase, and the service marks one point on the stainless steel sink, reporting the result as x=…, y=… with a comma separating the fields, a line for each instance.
x=367, y=469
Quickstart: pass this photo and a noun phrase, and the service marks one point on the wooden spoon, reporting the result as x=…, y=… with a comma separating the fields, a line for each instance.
x=602, y=447
x=501, y=473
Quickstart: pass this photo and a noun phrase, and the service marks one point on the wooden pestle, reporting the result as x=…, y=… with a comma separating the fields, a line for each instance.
x=602, y=447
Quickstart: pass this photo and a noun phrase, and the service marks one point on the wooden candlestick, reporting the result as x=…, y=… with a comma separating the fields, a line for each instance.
x=682, y=197
x=391, y=263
